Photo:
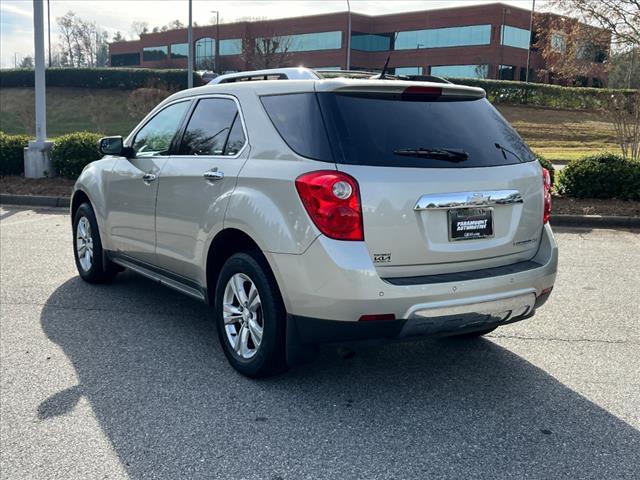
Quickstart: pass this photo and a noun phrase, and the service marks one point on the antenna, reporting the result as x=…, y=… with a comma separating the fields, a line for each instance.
x=386, y=64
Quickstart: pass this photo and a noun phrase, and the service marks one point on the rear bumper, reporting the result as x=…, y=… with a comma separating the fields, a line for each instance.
x=440, y=321
x=336, y=281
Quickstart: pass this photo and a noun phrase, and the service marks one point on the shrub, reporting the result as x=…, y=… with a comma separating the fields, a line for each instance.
x=123, y=78
x=12, y=153
x=549, y=166
x=72, y=152
x=601, y=176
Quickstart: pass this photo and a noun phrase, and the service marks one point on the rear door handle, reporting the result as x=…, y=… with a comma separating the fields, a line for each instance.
x=213, y=175
x=149, y=177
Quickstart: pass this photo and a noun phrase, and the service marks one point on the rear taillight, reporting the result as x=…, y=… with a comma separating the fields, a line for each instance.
x=546, y=182
x=332, y=200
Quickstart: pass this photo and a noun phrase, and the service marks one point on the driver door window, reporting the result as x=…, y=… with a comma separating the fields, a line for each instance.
x=154, y=139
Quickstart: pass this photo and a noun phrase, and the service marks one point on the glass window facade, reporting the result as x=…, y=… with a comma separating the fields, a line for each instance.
x=153, y=54
x=506, y=72
x=461, y=71
x=232, y=46
x=205, y=49
x=408, y=70
x=125, y=59
x=308, y=42
x=179, y=50
x=444, y=37
x=515, y=37
x=370, y=42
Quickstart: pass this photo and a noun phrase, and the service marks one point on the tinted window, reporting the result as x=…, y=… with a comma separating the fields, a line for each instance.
x=367, y=129
x=299, y=122
x=236, y=137
x=209, y=128
x=156, y=136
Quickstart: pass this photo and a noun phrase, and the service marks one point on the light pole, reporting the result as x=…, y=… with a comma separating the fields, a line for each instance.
x=37, y=162
x=190, y=53
x=533, y=8
x=349, y=36
x=217, y=51
x=49, y=29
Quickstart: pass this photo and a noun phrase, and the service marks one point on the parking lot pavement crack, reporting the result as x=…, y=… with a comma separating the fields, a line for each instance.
x=567, y=340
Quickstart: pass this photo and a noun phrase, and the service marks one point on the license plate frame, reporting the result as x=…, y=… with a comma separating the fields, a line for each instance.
x=482, y=228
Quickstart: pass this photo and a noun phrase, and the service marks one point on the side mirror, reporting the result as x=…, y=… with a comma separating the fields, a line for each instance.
x=114, y=146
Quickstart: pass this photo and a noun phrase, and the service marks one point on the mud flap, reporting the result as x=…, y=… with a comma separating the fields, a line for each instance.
x=297, y=352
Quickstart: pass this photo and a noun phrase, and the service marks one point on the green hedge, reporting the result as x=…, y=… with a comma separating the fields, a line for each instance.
x=12, y=153
x=539, y=94
x=72, y=152
x=601, y=176
x=123, y=78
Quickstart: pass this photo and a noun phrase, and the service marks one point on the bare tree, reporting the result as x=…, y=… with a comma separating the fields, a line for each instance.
x=83, y=43
x=621, y=17
x=623, y=109
x=266, y=50
x=139, y=28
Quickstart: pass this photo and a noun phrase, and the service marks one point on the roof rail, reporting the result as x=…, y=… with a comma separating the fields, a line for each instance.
x=298, y=73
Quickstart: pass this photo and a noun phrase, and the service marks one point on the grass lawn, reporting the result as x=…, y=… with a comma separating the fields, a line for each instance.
x=555, y=134
x=562, y=134
x=68, y=110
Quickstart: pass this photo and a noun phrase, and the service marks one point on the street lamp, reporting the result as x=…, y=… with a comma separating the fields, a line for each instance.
x=349, y=36
x=190, y=54
x=533, y=9
x=217, y=52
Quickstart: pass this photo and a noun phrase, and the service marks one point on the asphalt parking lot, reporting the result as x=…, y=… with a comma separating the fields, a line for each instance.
x=127, y=380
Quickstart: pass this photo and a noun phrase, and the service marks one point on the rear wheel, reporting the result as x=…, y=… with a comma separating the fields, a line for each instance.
x=250, y=316
x=87, y=247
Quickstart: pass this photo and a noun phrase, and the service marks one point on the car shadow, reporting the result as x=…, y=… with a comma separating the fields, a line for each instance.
x=149, y=363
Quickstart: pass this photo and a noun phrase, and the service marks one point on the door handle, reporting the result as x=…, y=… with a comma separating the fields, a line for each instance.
x=149, y=177
x=213, y=175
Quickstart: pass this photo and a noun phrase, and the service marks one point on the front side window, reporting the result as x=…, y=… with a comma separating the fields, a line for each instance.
x=155, y=137
x=213, y=129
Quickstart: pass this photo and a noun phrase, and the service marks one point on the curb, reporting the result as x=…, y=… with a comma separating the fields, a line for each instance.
x=583, y=221
x=594, y=221
x=34, y=200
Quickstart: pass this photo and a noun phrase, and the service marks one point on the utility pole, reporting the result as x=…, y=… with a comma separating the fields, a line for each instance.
x=533, y=9
x=37, y=162
x=190, y=55
x=349, y=36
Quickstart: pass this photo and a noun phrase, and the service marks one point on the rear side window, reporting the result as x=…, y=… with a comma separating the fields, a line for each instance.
x=368, y=129
x=298, y=120
x=213, y=129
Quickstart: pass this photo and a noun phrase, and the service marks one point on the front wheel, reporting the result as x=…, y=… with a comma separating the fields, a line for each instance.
x=250, y=316
x=87, y=247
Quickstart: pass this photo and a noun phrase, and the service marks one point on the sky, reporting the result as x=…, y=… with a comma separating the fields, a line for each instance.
x=16, y=16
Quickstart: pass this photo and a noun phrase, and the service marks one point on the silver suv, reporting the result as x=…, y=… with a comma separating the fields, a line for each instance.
x=310, y=209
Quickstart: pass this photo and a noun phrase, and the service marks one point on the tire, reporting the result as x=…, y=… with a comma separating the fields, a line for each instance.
x=86, y=236
x=477, y=333
x=253, y=337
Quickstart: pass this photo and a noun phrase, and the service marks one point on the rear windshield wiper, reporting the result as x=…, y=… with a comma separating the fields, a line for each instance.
x=504, y=149
x=448, y=154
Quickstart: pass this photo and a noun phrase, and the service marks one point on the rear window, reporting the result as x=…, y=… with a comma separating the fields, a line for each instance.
x=366, y=129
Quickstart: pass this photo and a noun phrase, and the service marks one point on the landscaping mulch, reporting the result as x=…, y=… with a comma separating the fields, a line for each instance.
x=595, y=206
x=61, y=187
x=51, y=187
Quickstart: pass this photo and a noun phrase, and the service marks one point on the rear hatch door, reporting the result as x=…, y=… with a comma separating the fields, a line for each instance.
x=446, y=183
